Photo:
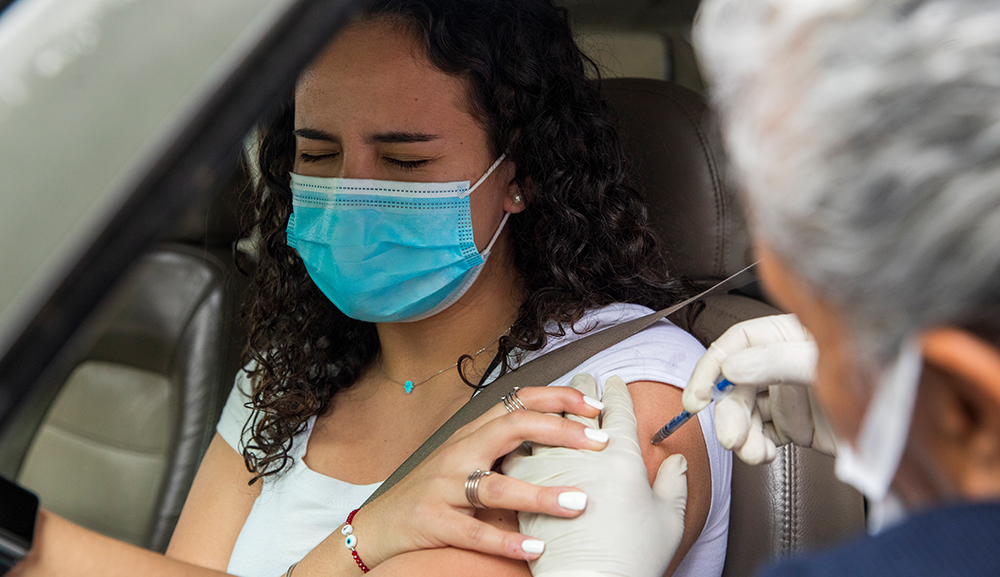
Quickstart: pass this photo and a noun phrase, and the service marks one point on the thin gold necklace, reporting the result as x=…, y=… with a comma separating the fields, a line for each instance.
x=409, y=385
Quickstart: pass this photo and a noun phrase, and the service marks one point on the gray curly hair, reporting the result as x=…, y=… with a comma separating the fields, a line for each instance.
x=866, y=136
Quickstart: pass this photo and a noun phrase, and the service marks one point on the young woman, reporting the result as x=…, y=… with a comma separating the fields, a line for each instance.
x=445, y=199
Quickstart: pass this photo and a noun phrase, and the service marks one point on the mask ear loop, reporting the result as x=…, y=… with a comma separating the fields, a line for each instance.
x=485, y=176
x=506, y=214
x=496, y=235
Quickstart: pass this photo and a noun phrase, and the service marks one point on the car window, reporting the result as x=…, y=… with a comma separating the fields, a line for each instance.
x=114, y=116
x=87, y=87
x=627, y=54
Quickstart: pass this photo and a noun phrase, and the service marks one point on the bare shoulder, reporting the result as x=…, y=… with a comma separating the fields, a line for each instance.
x=655, y=404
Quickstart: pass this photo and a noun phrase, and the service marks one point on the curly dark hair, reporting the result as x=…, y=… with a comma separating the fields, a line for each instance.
x=583, y=241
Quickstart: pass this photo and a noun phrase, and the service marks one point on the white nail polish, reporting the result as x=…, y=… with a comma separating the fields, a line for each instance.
x=593, y=403
x=573, y=500
x=596, y=435
x=533, y=546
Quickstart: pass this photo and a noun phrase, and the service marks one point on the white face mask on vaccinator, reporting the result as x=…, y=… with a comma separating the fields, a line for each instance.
x=871, y=466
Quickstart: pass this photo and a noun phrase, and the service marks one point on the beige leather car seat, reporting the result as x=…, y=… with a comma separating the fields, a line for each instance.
x=112, y=435
x=795, y=502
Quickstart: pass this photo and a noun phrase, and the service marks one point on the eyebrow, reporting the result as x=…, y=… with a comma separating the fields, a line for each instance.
x=401, y=137
x=313, y=134
x=396, y=137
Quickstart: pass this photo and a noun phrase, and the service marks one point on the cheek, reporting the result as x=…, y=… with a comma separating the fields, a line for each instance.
x=839, y=391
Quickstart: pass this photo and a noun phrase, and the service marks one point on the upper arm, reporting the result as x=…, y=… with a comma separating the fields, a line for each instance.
x=216, y=509
x=655, y=403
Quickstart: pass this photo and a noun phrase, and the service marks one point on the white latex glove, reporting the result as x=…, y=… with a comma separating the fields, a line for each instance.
x=772, y=362
x=628, y=529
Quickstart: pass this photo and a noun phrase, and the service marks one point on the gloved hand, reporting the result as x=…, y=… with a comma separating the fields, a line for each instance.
x=628, y=529
x=772, y=362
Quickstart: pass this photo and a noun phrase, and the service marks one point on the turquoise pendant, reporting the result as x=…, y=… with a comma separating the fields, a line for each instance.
x=408, y=387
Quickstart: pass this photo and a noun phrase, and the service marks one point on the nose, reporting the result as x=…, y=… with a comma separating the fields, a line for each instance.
x=358, y=161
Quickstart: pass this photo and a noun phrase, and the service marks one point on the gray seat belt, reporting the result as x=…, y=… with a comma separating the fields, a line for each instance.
x=546, y=369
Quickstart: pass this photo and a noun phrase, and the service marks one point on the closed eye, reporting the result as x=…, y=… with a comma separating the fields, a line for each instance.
x=306, y=157
x=405, y=164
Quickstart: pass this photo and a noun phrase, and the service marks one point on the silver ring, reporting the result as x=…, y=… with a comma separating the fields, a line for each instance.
x=472, y=487
x=511, y=402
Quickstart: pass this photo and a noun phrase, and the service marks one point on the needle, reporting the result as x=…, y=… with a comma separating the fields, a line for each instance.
x=719, y=391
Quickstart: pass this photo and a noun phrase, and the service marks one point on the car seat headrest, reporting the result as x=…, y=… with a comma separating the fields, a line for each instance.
x=673, y=141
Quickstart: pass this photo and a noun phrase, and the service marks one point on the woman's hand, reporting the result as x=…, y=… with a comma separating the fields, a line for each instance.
x=429, y=509
x=629, y=528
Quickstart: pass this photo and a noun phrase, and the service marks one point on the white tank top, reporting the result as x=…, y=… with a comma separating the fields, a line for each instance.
x=299, y=508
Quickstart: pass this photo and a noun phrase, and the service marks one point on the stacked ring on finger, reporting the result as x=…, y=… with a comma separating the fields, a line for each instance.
x=511, y=402
x=472, y=487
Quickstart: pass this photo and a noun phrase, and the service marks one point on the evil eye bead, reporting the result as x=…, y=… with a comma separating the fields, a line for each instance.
x=351, y=541
x=346, y=530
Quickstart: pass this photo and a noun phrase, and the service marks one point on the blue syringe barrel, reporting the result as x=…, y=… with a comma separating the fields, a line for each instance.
x=719, y=391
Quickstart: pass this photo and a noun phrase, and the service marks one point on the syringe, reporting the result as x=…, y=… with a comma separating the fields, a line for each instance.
x=719, y=391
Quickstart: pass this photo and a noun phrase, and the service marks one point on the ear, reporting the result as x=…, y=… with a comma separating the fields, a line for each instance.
x=969, y=410
x=967, y=358
x=517, y=195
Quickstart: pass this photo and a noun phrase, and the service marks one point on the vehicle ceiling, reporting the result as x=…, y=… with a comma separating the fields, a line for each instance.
x=632, y=15
x=639, y=38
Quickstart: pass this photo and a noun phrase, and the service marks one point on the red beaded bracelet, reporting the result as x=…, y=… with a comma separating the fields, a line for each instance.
x=351, y=541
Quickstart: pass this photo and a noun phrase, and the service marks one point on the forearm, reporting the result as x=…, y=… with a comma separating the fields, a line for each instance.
x=67, y=550
x=332, y=559
x=450, y=561
x=329, y=559
x=456, y=562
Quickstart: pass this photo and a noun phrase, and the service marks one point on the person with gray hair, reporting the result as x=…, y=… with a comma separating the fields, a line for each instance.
x=865, y=135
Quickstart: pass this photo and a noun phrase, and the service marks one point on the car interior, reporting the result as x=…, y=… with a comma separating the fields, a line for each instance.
x=113, y=433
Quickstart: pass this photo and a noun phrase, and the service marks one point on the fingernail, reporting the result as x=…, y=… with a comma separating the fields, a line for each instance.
x=596, y=435
x=533, y=546
x=593, y=403
x=573, y=500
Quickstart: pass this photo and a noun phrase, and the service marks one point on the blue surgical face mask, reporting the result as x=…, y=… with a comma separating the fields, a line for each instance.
x=385, y=251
